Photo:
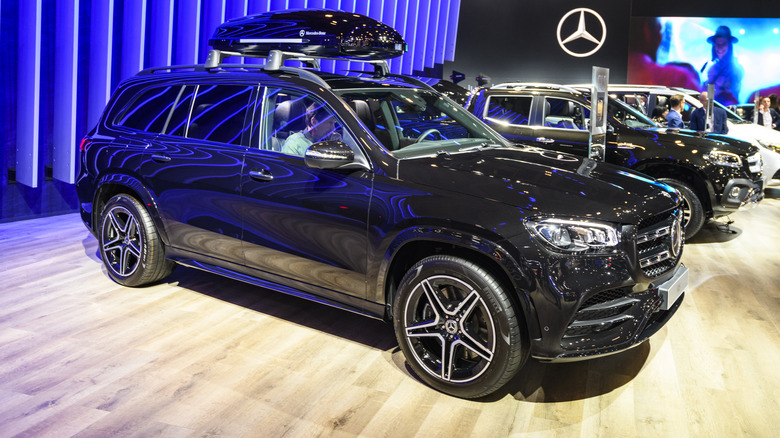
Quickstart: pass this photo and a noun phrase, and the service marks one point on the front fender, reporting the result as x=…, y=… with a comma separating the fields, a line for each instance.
x=412, y=244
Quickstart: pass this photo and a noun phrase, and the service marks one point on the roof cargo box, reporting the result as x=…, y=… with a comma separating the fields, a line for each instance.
x=323, y=33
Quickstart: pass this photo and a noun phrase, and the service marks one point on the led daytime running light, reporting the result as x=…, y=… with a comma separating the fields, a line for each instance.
x=724, y=159
x=575, y=236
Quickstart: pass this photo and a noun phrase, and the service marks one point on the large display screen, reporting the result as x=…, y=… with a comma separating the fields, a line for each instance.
x=738, y=55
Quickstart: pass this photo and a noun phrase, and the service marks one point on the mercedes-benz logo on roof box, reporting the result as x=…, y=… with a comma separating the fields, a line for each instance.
x=581, y=32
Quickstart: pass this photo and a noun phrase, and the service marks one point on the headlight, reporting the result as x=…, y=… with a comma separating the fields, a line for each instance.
x=575, y=236
x=723, y=159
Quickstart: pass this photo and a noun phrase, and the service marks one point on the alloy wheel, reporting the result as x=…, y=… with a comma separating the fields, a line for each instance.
x=122, y=241
x=449, y=328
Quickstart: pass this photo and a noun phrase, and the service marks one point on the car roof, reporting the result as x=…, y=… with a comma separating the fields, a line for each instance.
x=253, y=73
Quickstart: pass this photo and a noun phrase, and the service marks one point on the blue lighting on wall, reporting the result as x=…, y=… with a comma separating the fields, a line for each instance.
x=70, y=55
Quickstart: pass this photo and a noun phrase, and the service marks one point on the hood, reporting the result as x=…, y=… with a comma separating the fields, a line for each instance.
x=545, y=183
x=702, y=142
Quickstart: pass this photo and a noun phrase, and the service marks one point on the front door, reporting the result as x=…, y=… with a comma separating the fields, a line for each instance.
x=303, y=224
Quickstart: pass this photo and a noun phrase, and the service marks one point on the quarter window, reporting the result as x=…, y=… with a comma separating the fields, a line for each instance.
x=149, y=111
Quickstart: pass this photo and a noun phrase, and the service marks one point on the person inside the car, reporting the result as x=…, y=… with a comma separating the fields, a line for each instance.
x=320, y=126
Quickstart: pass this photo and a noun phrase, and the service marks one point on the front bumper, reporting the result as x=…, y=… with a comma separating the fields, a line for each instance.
x=614, y=320
x=741, y=193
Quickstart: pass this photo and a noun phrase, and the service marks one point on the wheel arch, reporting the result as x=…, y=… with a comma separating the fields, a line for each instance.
x=691, y=176
x=415, y=244
x=111, y=185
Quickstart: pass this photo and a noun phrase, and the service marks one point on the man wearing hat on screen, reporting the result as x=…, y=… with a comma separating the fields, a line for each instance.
x=724, y=71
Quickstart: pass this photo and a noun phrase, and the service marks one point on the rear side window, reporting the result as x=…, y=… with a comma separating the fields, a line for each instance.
x=512, y=110
x=149, y=111
x=180, y=114
x=219, y=113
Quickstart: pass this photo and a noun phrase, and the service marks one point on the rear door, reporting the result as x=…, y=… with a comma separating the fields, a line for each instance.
x=194, y=169
x=563, y=125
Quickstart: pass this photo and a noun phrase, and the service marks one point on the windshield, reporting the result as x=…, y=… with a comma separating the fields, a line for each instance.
x=629, y=115
x=414, y=122
x=730, y=115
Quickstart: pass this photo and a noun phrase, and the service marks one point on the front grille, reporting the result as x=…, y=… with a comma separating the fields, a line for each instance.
x=659, y=242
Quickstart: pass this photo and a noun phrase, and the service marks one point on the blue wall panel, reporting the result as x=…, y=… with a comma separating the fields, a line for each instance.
x=66, y=56
x=161, y=33
x=71, y=54
x=29, y=91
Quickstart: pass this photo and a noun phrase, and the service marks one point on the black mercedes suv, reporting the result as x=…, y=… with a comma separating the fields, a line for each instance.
x=376, y=194
x=716, y=175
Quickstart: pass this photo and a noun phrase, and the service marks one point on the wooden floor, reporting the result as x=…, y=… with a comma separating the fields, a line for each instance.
x=201, y=355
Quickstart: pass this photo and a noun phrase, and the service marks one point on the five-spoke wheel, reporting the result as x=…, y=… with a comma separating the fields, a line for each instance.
x=457, y=327
x=130, y=246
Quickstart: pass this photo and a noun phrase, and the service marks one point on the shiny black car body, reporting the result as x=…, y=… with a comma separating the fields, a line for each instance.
x=481, y=253
x=717, y=175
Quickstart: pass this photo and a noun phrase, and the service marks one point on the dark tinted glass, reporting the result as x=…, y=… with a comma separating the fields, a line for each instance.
x=566, y=114
x=149, y=111
x=219, y=113
x=177, y=125
x=513, y=110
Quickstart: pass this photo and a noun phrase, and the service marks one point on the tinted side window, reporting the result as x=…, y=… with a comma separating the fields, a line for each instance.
x=513, y=110
x=295, y=121
x=636, y=100
x=219, y=113
x=149, y=111
x=177, y=124
x=566, y=114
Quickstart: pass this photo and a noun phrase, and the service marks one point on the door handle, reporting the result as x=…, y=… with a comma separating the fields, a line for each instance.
x=260, y=175
x=545, y=140
x=160, y=158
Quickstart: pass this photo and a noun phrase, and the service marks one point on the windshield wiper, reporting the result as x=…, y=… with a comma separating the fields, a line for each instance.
x=481, y=147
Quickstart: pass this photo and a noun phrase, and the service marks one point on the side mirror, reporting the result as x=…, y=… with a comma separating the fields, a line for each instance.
x=328, y=155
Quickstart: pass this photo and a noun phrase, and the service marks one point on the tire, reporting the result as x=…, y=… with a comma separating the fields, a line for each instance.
x=693, y=212
x=130, y=246
x=453, y=312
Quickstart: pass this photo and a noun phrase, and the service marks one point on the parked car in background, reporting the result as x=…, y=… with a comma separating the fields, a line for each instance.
x=647, y=97
x=402, y=206
x=715, y=178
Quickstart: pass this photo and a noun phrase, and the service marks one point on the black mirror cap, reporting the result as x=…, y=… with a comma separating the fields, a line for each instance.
x=328, y=155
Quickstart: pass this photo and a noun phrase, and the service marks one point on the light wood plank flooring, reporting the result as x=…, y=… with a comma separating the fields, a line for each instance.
x=200, y=355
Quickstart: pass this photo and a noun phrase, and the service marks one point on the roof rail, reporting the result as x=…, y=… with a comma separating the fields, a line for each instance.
x=276, y=59
x=531, y=85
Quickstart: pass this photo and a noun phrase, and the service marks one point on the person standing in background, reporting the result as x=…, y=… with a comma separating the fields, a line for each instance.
x=674, y=117
x=724, y=71
x=699, y=117
x=767, y=116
